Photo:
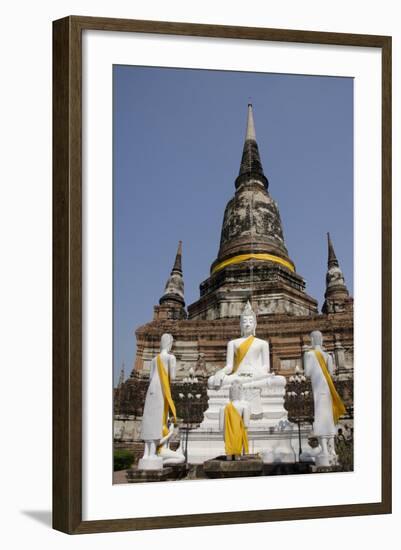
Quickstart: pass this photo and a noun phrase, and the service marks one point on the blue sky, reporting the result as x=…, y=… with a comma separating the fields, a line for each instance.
x=178, y=136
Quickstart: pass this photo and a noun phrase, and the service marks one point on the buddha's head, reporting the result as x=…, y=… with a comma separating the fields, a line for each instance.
x=166, y=342
x=248, y=321
x=235, y=393
x=316, y=338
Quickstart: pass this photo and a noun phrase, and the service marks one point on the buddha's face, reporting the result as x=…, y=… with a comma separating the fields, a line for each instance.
x=248, y=325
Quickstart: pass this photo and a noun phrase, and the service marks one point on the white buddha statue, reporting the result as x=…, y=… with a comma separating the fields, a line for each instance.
x=233, y=422
x=255, y=397
x=328, y=406
x=247, y=358
x=159, y=413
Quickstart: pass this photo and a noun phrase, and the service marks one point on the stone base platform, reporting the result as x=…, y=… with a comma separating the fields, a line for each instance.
x=244, y=466
x=326, y=469
x=169, y=473
x=252, y=465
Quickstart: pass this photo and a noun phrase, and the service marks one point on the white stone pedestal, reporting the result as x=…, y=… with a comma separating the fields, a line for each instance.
x=326, y=460
x=269, y=432
x=267, y=405
x=150, y=463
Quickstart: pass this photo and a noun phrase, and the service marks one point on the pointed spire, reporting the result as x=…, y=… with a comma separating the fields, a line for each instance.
x=332, y=258
x=178, y=259
x=250, y=127
x=174, y=289
x=337, y=297
x=247, y=228
x=121, y=379
x=251, y=168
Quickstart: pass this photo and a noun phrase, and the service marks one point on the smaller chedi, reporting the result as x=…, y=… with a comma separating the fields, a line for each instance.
x=328, y=406
x=234, y=421
x=159, y=414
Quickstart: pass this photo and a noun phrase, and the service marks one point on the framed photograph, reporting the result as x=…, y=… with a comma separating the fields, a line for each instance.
x=221, y=274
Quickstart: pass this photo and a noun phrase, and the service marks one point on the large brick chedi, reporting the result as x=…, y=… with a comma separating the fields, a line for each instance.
x=252, y=261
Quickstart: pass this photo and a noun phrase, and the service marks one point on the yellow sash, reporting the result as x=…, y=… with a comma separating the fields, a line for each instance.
x=241, y=352
x=235, y=435
x=168, y=400
x=244, y=257
x=338, y=406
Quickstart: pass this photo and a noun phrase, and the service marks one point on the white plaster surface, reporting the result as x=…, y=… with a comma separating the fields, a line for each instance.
x=323, y=405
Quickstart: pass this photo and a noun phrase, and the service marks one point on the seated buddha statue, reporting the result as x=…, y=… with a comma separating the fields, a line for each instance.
x=247, y=358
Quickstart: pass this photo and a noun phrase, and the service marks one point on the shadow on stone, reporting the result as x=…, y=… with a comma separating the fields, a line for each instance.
x=283, y=468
